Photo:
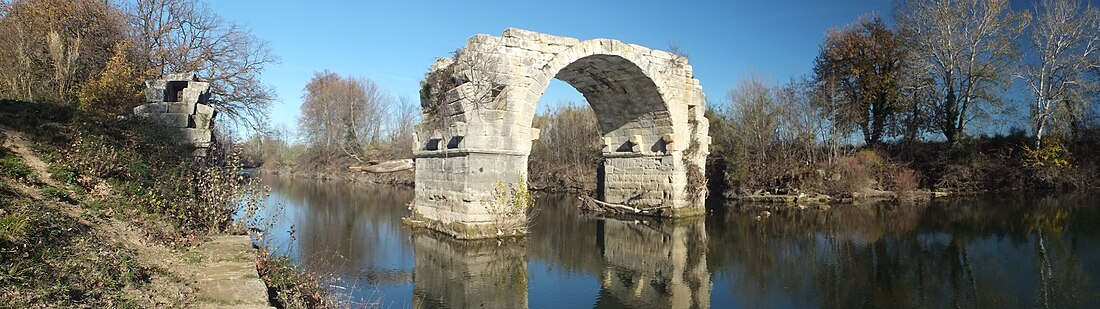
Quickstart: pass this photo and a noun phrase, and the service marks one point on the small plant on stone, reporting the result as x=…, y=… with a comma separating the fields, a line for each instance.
x=508, y=208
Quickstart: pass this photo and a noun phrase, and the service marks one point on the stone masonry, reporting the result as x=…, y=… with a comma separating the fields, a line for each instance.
x=181, y=102
x=477, y=114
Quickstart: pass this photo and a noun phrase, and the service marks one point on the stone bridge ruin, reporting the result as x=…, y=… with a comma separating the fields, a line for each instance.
x=179, y=101
x=476, y=132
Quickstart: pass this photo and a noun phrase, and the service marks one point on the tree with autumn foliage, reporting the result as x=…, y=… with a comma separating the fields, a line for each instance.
x=864, y=60
x=49, y=47
x=117, y=89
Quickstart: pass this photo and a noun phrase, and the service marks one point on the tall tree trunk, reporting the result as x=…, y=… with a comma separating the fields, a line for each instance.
x=950, y=114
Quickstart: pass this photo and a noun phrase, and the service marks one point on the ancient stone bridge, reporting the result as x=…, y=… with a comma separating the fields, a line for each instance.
x=476, y=134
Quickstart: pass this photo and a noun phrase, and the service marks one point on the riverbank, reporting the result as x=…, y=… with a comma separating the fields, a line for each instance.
x=400, y=178
x=99, y=211
x=58, y=253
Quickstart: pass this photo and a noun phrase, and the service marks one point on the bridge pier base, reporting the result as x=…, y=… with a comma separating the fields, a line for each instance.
x=470, y=195
x=476, y=195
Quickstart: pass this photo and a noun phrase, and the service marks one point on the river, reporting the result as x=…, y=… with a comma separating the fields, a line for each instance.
x=991, y=251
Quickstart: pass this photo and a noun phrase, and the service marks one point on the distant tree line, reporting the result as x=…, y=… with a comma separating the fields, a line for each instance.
x=886, y=107
x=344, y=121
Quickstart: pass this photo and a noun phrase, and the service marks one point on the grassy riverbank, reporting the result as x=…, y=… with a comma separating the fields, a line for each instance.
x=98, y=211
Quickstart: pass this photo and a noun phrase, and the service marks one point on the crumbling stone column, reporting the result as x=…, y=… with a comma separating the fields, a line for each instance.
x=181, y=102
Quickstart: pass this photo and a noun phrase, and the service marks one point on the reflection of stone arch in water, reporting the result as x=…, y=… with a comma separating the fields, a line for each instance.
x=655, y=264
x=468, y=274
x=478, y=109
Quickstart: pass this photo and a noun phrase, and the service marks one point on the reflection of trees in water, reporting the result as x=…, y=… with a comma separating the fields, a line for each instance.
x=987, y=252
x=468, y=274
x=347, y=229
x=563, y=236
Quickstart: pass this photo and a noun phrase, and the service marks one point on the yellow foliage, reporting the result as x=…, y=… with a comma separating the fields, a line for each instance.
x=870, y=158
x=117, y=89
x=1050, y=153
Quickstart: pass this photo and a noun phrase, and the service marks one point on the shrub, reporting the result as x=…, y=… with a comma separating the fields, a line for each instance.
x=62, y=174
x=870, y=158
x=508, y=207
x=56, y=192
x=13, y=227
x=116, y=90
x=901, y=179
x=1050, y=154
x=290, y=286
x=848, y=174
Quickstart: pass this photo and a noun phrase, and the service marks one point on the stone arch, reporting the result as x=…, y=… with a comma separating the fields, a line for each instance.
x=625, y=99
x=479, y=106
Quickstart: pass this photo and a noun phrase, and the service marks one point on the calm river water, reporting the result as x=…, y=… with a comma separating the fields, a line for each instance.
x=994, y=251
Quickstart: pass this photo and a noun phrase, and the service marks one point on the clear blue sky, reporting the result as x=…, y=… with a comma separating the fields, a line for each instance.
x=394, y=42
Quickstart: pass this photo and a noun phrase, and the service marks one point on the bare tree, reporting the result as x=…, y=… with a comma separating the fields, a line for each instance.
x=342, y=115
x=405, y=115
x=755, y=116
x=1065, y=38
x=568, y=149
x=186, y=36
x=968, y=47
x=800, y=119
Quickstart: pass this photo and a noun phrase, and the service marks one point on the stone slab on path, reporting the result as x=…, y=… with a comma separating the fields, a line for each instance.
x=225, y=274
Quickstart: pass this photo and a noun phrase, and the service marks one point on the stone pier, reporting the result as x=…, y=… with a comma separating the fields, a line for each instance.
x=476, y=132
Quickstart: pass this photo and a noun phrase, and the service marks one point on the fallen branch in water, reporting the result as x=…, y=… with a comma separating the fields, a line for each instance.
x=375, y=166
x=589, y=203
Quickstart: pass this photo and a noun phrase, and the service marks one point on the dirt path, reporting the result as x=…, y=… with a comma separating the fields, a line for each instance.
x=219, y=273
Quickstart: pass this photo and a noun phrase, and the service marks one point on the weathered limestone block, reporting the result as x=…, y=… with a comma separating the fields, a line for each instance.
x=202, y=120
x=195, y=92
x=175, y=120
x=194, y=136
x=179, y=107
x=151, y=108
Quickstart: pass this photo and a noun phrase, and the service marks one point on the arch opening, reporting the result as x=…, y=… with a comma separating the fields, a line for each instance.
x=627, y=103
